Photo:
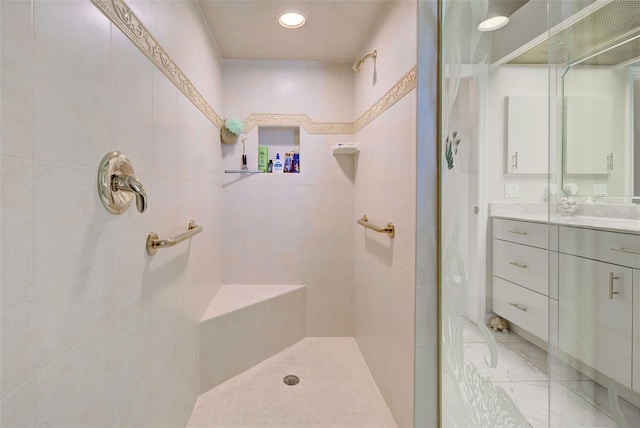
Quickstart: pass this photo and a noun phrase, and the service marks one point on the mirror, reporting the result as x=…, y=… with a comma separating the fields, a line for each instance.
x=594, y=52
x=600, y=54
x=597, y=137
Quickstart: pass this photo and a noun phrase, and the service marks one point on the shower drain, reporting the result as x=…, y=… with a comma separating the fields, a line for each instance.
x=291, y=380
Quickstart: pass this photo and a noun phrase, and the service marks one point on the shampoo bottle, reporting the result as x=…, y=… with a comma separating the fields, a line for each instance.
x=287, y=162
x=277, y=164
x=263, y=158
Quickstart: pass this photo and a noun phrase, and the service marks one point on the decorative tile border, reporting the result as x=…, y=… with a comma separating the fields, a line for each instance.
x=301, y=120
x=405, y=85
x=126, y=20
x=395, y=94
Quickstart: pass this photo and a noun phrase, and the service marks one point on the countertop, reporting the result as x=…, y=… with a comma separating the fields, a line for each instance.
x=601, y=223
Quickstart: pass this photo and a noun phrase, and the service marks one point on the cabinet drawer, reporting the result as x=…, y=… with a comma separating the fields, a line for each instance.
x=523, y=307
x=524, y=265
x=618, y=248
x=522, y=232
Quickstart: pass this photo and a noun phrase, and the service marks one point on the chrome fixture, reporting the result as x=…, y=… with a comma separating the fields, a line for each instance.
x=612, y=278
x=523, y=308
x=117, y=184
x=626, y=250
x=516, y=264
x=357, y=67
x=390, y=229
x=154, y=243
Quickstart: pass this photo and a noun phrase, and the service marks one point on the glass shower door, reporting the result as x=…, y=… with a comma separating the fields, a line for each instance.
x=489, y=377
x=539, y=217
x=594, y=360
x=472, y=395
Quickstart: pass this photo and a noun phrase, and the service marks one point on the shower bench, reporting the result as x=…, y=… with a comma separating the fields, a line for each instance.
x=246, y=324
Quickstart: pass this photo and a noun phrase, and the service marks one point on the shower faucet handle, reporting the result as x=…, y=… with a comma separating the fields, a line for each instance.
x=130, y=183
x=118, y=184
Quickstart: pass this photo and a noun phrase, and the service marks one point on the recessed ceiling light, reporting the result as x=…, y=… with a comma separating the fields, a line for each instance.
x=291, y=20
x=494, y=23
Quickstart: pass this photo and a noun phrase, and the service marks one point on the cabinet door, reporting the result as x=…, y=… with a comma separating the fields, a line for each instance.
x=594, y=325
x=589, y=134
x=527, y=134
x=636, y=330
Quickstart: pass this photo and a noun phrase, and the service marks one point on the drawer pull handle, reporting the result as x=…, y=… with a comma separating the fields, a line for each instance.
x=611, y=279
x=625, y=250
x=518, y=232
x=516, y=264
x=523, y=308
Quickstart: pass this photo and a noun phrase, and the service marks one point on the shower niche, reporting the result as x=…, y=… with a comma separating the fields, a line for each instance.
x=282, y=142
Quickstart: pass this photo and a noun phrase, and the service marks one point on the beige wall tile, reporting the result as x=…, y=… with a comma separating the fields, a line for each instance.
x=329, y=311
x=16, y=54
x=72, y=259
x=95, y=92
x=131, y=110
x=17, y=408
x=76, y=390
x=72, y=83
x=17, y=281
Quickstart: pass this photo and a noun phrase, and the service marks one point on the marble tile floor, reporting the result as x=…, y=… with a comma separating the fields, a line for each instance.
x=336, y=390
x=535, y=384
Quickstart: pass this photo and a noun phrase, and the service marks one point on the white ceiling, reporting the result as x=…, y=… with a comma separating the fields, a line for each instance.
x=336, y=30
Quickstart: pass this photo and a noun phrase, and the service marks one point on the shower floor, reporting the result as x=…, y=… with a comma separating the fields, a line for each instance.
x=336, y=390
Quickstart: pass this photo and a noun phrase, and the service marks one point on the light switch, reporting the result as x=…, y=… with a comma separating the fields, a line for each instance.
x=511, y=190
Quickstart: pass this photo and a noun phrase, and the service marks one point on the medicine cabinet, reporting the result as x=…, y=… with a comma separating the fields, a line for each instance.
x=527, y=134
x=588, y=134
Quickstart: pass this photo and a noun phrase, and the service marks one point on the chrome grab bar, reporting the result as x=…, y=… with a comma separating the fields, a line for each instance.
x=390, y=229
x=153, y=242
x=625, y=250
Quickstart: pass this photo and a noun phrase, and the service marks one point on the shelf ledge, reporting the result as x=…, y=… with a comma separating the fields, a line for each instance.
x=345, y=149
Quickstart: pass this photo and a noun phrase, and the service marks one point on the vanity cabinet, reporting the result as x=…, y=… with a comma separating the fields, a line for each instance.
x=576, y=287
x=635, y=383
x=595, y=315
x=521, y=273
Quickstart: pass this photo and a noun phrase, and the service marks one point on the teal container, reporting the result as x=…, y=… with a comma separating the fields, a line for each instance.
x=263, y=158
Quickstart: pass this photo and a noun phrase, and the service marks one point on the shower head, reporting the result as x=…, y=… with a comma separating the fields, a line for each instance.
x=357, y=67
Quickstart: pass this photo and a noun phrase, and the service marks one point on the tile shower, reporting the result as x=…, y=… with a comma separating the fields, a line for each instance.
x=91, y=325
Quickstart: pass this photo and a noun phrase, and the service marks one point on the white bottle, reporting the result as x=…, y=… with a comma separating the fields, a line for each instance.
x=277, y=165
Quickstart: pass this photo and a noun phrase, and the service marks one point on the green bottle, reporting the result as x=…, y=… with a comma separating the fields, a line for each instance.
x=263, y=158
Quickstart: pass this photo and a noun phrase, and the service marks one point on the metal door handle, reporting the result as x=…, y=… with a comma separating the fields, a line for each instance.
x=516, y=264
x=625, y=250
x=519, y=306
x=515, y=161
x=611, y=279
x=518, y=232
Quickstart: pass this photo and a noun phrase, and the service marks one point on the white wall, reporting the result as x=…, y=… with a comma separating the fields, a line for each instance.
x=94, y=331
x=293, y=228
x=384, y=288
